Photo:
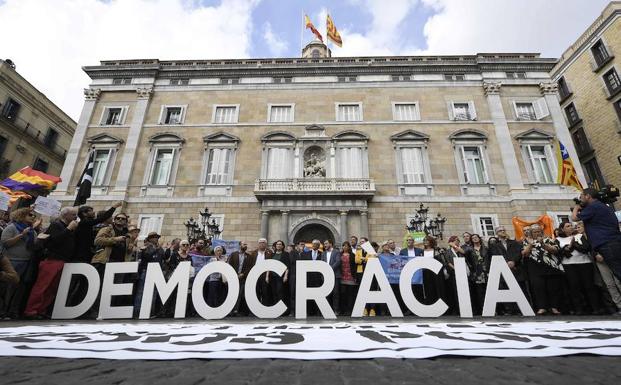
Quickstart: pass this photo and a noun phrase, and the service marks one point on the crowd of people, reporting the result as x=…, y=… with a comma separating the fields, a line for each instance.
x=577, y=271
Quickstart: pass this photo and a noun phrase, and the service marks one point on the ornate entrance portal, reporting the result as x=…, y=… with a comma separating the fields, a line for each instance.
x=313, y=231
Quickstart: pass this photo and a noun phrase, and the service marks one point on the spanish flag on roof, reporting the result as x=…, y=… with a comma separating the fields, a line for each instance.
x=333, y=34
x=309, y=25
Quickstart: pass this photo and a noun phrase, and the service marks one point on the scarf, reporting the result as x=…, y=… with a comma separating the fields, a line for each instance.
x=31, y=234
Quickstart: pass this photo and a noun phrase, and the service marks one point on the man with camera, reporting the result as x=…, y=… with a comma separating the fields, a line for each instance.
x=602, y=228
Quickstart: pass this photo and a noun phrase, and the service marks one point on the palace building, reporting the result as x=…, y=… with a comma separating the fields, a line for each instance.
x=323, y=147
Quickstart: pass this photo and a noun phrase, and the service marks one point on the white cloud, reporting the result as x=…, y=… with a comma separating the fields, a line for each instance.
x=50, y=40
x=384, y=37
x=275, y=44
x=468, y=27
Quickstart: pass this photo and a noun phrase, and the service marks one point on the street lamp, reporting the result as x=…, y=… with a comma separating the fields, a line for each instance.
x=430, y=226
x=204, y=230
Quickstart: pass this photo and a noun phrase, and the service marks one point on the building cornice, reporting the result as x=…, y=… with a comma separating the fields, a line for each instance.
x=344, y=66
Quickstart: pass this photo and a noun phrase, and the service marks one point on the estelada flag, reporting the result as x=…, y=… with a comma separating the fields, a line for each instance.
x=309, y=25
x=333, y=34
x=566, y=172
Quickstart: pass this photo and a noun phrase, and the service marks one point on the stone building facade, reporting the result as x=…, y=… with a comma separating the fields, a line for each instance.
x=298, y=148
x=589, y=84
x=33, y=130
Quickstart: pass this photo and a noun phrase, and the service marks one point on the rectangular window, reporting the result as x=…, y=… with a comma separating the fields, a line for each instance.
x=179, y=82
x=617, y=106
x=149, y=223
x=350, y=162
x=461, y=111
x=349, y=113
x=100, y=166
x=40, y=165
x=113, y=116
x=600, y=53
x=455, y=77
x=3, y=142
x=225, y=114
x=121, y=81
x=474, y=167
x=525, y=111
x=412, y=165
x=581, y=142
x=51, y=138
x=594, y=174
x=563, y=88
x=162, y=166
x=406, y=112
x=10, y=110
x=218, y=166
x=539, y=164
x=572, y=114
x=516, y=75
x=278, y=166
x=611, y=78
x=485, y=226
x=281, y=114
x=172, y=115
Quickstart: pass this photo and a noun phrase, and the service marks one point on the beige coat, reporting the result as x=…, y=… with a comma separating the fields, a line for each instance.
x=104, y=242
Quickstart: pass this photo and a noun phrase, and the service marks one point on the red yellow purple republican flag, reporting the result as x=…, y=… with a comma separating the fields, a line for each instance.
x=332, y=33
x=566, y=172
x=309, y=25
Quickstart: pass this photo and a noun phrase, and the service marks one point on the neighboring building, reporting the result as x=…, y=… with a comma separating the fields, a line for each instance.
x=33, y=130
x=298, y=148
x=589, y=85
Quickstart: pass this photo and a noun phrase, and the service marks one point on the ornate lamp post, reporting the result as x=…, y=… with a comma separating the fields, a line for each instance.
x=430, y=226
x=203, y=230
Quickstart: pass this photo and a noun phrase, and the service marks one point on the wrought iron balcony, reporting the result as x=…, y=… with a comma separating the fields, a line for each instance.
x=314, y=187
x=23, y=127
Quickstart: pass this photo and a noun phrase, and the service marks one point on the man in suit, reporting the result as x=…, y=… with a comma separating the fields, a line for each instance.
x=417, y=281
x=314, y=279
x=511, y=250
x=294, y=256
x=242, y=262
x=333, y=257
x=263, y=288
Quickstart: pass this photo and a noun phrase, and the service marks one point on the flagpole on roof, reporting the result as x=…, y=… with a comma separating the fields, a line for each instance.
x=327, y=38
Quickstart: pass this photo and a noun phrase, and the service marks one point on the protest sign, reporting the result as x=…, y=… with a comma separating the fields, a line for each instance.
x=4, y=201
x=229, y=246
x=47, y=206
x=393, y=265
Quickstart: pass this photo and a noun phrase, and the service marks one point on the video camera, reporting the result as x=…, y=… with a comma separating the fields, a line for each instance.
x=607, y=195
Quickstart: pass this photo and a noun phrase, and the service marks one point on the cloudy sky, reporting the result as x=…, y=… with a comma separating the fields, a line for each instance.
x=49, y=40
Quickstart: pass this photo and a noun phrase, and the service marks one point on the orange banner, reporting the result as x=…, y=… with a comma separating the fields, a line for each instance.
x=544, y=221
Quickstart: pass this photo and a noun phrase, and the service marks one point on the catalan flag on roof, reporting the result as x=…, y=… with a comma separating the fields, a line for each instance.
x=566, y=171
x=28, y=179
x=332, y=33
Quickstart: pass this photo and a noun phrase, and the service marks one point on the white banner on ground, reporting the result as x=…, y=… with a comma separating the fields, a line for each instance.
x=311, y=341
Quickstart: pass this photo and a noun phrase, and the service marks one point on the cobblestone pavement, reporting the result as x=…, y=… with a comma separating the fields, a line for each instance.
x=443, y=370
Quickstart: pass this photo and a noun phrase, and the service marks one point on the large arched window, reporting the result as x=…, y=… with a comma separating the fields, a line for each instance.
x=219, y=163
x=162, y=165
x=352, y=161
x=412, y=161
x=278, y=155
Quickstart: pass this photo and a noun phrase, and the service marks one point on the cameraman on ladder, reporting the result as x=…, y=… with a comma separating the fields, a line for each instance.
x=601, y=226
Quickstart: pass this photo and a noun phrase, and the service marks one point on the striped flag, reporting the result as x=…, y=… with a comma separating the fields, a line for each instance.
x=333, y=34
x=309, y=25
x=85, y=182
x=566, y=172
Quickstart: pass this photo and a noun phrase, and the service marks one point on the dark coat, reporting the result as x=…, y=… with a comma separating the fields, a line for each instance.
x=513, y=253
x=248, y=263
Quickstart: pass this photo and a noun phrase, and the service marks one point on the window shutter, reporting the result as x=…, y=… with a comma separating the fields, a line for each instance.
x=483, y=163
x=406, y=162
x=541, y=108
x=473, y=111
x=532, y=164
x=464, y=166
x=450, y=110
x=515, y=110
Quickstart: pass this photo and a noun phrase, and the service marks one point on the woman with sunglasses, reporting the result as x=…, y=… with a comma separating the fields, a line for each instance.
x=18, y=244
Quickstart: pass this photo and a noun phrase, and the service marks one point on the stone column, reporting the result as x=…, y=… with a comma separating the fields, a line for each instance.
x=133, y=137
x=265, y=216
x=364, y=224
x=284, y=231
x=549, y=91
x=90, y=99
x=503, y=136
x=343, y=226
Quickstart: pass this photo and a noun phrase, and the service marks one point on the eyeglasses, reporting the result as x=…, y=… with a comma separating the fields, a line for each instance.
x=120, y=219
x=185, y=244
